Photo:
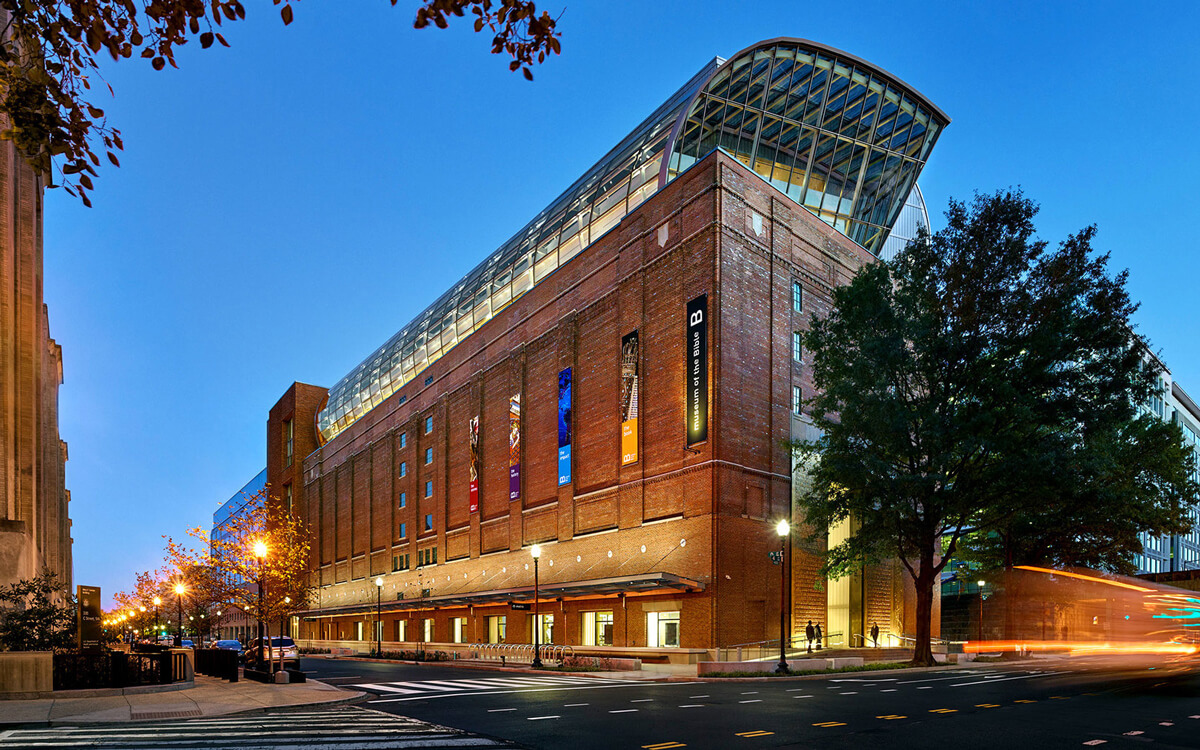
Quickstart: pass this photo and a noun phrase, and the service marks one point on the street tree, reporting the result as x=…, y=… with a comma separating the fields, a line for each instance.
x=226, y=570
x=37, y=614
x=979, y=376
x=49, y=50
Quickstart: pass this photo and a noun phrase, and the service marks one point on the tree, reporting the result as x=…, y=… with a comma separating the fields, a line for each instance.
x=977, y=377
x=38, y=615
x=48, y=52
x=225, y=570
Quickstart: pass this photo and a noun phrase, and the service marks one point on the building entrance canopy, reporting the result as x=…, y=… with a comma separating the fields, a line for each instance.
x=648, y=583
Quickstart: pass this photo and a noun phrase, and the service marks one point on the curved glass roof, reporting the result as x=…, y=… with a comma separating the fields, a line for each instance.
x=913, y=216
x=841, y=137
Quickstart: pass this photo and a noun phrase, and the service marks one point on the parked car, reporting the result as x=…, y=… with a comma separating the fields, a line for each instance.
x=284, y=648
x=187, y=643
x=229, y=646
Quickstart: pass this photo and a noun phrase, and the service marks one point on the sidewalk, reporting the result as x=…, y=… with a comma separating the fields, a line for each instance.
x=209, y=697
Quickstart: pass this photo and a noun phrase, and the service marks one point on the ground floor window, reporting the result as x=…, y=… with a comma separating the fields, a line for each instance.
x=457, y=627
x=598, y=628
x=429, y=629
x=379, y=630
x=662, y=629
x=358, y=630
x=543, y=624
x=402, y=630
x=496, y=629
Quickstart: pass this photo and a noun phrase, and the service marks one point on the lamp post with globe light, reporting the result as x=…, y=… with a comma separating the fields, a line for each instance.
x=378, y=616
x=783, y=529
x=537, y=617
x=157, y=602
x=180, y=590
x=981, y=585
x=260, y=551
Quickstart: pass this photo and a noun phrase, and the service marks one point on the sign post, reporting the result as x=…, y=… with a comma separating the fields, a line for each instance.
x=89, y=618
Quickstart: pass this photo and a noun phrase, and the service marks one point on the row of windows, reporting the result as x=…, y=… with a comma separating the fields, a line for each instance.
x=596, y=629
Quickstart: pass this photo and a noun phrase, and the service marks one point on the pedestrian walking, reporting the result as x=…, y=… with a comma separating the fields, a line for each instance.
x=819, y=636
x=809, y=633
x=875, y=633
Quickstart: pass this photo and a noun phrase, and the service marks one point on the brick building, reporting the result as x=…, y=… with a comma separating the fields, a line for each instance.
x=35, y=526
x=616, y=384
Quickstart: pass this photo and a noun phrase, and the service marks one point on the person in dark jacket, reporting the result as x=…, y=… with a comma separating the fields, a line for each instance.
x=875, y=633
x=819, y=636
x=809, y=633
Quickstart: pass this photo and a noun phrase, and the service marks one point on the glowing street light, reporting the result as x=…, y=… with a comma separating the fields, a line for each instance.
x=378, y=617
x=783, y=529
x=536, y=551
x=180, y=590
x=260, y=551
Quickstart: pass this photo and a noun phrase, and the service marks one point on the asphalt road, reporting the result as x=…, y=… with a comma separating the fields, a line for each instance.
x=1049, y=704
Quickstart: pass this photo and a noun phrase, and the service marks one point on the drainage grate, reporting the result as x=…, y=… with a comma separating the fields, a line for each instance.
x=154, y=715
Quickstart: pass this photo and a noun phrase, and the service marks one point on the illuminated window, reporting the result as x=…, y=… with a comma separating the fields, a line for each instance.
x=662, y=629
x=403, y=530
x=497, y=626
x=458, y=629
x=598, y=628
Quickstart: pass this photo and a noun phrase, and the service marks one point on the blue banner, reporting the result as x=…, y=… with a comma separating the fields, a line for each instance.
x=564, y=427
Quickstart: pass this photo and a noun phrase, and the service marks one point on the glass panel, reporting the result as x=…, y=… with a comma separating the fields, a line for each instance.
x=781, y=75
x=740, y=81
x=758, y=78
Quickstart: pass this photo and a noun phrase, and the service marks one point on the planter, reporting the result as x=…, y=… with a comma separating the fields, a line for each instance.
x=23, y=672
x=257, y=675
x=295, y=675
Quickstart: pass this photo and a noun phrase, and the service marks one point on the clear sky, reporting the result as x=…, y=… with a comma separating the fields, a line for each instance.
x=285, y=206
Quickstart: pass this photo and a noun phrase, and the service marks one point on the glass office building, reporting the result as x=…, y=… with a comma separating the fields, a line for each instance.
x=840, y=136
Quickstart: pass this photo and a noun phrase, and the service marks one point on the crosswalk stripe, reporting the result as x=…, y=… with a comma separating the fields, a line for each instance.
x=387, y=688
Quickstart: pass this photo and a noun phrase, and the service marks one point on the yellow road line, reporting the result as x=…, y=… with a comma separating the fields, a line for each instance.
x=1060, y=697
x=664, y=746
x=827, y=724
x=1024, y=700
x=987, y=705
x=755, y=733
x=943, y=710
x=890, y=717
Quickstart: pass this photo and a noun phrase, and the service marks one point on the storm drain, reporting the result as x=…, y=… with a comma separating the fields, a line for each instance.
x=186, y=713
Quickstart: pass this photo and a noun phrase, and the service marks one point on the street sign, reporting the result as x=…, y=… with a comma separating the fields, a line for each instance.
x=520, y=605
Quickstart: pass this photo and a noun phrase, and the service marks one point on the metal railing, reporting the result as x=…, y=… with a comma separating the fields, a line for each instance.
x=519, y=652
x=217, y=662
x=118, y=669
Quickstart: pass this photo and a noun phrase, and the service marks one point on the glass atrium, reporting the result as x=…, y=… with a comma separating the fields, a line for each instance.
x=839, y=136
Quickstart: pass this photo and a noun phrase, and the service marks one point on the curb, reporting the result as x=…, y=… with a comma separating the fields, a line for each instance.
x=466, y=664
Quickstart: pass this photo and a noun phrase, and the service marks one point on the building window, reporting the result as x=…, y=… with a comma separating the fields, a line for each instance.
x=287, y=497
x=288, y=442
x=358, y=630
x=662, y=629
x=496, y=628
x=458, y=629
x=404, y=440
x=543, y=624
x=403, y=499
x=403, y=530
x=429, y=629
x=429, y=522
x=401, y=630
x=797, y=346
x=598, y=628
x=797, y=297
x=797, y=399
x=429, y=488
x=429, y=455
x=403, y=468
x=428, y=425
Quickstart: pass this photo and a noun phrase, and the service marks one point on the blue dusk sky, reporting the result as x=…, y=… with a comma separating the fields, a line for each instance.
x=285, y=206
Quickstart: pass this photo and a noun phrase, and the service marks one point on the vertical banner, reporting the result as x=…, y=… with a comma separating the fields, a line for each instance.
x=696, y=377
x=89, y=618
x=629, y=398
x=514, y=447
x=474, y=464
x=564, y=427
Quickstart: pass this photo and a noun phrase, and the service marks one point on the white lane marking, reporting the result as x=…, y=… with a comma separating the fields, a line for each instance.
x=574, y=705
x=693, y=705
x=539, y=718
x=849, y=692
x=469, y=694
x=794, y=690
x=697, y=696
x=889, y=690
x=801, y=696
x=750, y=692
x=1134, y=733
x=1096, y=742
x=624, y=711
x=1006, y=679
x=925, y=687
x=859, y=679
x=642, y=700
x=941, y=679
x=1166, y=723
x=498, y=710
x=423, y=686
x=753, y=700
x=387, y=688
x=1194, y=716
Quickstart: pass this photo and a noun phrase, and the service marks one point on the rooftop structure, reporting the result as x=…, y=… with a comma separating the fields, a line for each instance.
x=840, y=136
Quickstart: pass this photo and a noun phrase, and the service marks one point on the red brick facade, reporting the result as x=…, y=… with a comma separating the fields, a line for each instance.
x=705, y=515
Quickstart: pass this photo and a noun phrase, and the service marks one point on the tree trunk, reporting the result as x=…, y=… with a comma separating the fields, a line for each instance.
x=923, y=582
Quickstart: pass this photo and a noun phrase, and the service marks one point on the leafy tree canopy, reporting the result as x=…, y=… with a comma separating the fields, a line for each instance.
x=48, y=63
x=978, y=376
x=37, y=614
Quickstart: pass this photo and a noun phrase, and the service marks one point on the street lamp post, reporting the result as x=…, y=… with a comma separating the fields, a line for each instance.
x=157, y=601
x=981, y=585
x=378, y=616
x=260, y=551
x=537, y=616
x=783, y=529
x=179, y=591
